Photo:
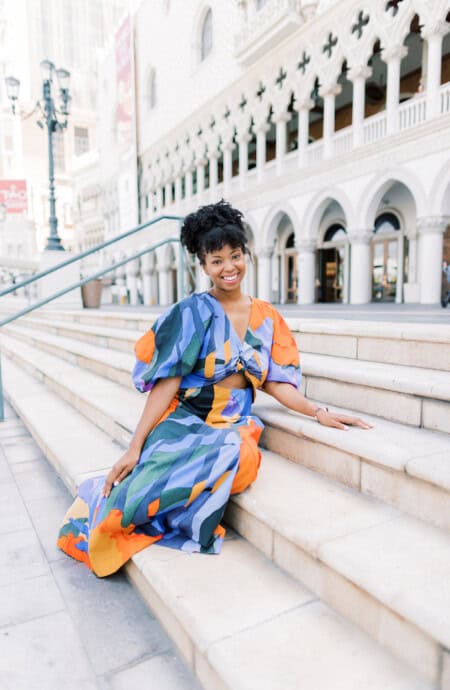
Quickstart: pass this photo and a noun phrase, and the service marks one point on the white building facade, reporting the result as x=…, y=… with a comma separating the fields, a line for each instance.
x=326, y=123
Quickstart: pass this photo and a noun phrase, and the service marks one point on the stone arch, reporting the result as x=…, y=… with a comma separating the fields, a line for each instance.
x=318, y=205
x=370, y=199
x=272, y=220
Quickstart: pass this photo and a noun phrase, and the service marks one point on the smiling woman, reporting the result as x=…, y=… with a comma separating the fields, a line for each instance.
x=196, y=442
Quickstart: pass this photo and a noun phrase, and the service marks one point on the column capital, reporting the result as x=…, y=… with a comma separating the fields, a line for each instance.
x=305, y=245
x=436, y=27
x=395, y=52
x=281, y=115
x=303, y=103
x=362, y=236
x=359, y=72
x=332, y=89
x=432, y=225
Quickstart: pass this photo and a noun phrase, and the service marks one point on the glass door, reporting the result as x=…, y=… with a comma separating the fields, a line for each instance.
x=384, y=270
x=291, y=278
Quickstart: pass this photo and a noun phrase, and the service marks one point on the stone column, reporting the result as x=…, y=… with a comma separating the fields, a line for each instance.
x=164, y=284
x=360, y=268
x=329, y=94
x=178, y=190
x=200, y=168
x=131, y=271
x=358, y=76
x=188, y=183
x=433, y=34
x=147, y=270
x=303, y=130
x=227, y=148
x=159, y=200
x=281, y=118
x=213, y=158
x=243, y=140
x=431, y=233
x=393, y=57
x=265, y=273
x=168, y=188
x=260, y=127
x=306, y=270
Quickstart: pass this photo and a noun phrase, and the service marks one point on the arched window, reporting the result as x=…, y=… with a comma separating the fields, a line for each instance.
x=386, y=224
x=151, y=90
x=335, y=233
x=206, y=42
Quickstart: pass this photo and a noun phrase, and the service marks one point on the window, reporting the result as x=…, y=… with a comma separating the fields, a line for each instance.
x=335, y=233
x=81, y=140
x=207, y=36
x=386, y=224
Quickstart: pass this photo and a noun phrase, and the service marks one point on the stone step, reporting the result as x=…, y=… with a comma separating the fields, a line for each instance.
x=225, y=611
x=409, y=395
x=408, y=344
x=405, y=467
x=402, y=466
x=115, y=410
x=383, y=570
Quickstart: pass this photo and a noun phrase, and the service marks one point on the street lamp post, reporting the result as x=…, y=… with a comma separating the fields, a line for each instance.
x=49, y=113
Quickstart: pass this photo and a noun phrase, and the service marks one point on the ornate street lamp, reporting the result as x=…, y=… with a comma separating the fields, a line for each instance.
x=49, y=114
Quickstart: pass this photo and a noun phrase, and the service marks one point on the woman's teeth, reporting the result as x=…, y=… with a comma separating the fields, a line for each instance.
x=230, y=279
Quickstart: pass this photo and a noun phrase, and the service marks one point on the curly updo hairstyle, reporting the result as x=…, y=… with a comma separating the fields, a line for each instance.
x=211, y=228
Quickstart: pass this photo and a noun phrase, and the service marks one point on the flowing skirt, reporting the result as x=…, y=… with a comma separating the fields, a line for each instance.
x=203, y=450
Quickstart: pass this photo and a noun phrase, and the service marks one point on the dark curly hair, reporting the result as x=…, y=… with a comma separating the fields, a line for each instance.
x=211, y=227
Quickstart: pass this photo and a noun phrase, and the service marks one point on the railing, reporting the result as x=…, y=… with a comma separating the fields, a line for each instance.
x=412, y=113
x=343, y=140
x=375, y=127
x=445, y=99
x=315, y=151
x=98, y=274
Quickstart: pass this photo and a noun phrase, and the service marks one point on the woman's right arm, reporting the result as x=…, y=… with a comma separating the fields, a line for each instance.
x=156, y=404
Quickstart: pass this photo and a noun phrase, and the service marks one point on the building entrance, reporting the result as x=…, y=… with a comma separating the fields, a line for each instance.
x=331, y=265
x=388, y=256
x=291, y=278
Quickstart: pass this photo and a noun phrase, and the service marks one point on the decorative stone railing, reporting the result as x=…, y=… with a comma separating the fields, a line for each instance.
x=445, y=99
x=412, y=112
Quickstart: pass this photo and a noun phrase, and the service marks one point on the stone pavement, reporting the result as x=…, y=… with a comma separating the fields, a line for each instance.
x=62, y=628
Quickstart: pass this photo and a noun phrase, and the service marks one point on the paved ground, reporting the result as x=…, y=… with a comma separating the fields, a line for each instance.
x=62, y=628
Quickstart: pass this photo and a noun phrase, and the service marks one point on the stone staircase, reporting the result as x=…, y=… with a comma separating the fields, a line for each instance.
x=336, y=571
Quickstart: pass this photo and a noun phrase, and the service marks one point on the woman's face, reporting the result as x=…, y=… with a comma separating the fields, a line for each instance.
x=226, y=267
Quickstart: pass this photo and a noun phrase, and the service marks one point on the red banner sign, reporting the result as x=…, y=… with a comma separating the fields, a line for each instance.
x=13, y=194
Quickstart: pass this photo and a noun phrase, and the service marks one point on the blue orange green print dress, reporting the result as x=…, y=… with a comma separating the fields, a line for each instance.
x=204, y=448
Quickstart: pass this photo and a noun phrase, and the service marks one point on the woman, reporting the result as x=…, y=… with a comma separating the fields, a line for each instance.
x=196, y=442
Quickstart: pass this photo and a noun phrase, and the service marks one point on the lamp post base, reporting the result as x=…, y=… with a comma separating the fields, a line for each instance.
x=54, y=244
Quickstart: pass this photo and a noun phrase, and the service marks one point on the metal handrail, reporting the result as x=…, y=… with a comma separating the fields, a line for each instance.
x=77, y=257
x=98, y=274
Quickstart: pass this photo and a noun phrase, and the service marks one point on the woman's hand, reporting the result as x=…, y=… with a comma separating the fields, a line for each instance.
x=120, y=470
x=340, y=421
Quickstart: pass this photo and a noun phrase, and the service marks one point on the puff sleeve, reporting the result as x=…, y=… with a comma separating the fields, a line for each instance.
x=171, y=347
x=284, y=362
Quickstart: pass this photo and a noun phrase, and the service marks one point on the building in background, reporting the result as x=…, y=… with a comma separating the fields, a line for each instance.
x=324, y=122
x=70, y=33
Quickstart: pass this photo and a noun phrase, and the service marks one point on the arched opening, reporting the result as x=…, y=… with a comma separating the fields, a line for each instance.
x=375, y=100
x=292, y=127
x=271, y=136
x=284, y=263
x=206, y=37
x=252, y=147
x=332, y=260
x=385, y=258
x=343, y=103
x=316, y=114
x=445, y=62
x=411, y=73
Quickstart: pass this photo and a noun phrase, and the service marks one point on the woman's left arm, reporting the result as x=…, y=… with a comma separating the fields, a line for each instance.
x=290, y=397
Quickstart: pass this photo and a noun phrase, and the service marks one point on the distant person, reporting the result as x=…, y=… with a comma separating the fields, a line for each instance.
x=445, y=293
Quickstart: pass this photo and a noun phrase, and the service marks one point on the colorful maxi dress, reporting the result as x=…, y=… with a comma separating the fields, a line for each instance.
x=204, y=448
